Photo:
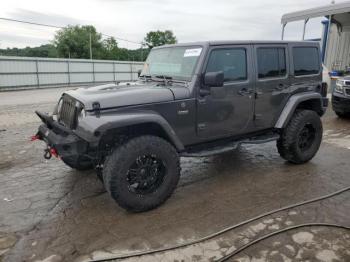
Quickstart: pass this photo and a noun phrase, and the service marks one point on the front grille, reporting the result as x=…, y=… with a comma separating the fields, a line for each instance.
x=347, y=91
x=67, y=113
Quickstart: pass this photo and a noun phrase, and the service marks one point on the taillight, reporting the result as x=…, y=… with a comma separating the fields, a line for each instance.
x=324, y=89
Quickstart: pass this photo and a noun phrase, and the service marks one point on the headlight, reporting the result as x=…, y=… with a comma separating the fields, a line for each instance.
x=59, y=106
x=81, y=114
x=339, y=82
x=57, y=110
x=339, y=86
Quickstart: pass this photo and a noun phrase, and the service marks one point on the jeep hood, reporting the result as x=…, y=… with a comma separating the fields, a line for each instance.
x=125, y=94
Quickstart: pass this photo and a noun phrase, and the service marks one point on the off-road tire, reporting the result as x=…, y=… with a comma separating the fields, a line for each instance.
x=288, y=144
x=78, y=164
x=117, y=164
x=342, y=114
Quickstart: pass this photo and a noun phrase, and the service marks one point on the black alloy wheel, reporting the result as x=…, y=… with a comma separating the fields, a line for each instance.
x=306, y=137
x=146, y=174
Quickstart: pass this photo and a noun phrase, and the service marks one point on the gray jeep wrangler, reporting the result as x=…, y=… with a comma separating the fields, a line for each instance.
x=195, y=99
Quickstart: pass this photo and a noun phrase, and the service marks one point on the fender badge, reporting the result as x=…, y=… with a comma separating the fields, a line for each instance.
x=182, y=112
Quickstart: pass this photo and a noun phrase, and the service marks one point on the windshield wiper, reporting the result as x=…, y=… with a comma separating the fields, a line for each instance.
x=169, y=79
x=145, y=77
x=166, y=79
x=162, y=78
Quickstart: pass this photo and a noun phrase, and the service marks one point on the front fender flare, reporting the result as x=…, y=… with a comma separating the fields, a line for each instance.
x=92, y=128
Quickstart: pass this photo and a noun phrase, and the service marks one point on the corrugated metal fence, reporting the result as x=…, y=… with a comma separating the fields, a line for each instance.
x=29, y=72
x=338, y=56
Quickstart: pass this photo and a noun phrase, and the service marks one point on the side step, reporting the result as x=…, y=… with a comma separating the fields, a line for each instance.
x=261, y=139
x=231, y=146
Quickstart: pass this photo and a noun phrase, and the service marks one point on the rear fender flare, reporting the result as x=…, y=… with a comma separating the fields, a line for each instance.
x=293, y=103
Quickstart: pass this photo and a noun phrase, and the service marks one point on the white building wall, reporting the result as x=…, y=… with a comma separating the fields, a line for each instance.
x=338, y=50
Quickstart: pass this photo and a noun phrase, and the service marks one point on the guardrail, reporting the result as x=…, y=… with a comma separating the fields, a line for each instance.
x=29, y=72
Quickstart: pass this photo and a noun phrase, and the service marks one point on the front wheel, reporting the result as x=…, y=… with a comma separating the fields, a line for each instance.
x=301, y=139
x=142, y=173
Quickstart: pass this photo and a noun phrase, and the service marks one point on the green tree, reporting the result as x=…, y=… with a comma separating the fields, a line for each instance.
x=110, y=49
x=40, y=51
x=74, y=42
x=157, y=38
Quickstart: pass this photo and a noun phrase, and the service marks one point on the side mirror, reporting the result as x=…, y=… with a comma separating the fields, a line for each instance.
x=139, y=72
x=212, y=79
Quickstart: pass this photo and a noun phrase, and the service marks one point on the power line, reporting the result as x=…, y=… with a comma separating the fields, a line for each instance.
x=60, y=27
x=123, y=39
x=31, y=23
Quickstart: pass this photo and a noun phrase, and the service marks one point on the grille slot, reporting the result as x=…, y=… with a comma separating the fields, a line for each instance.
x=67, y=114
x=347, y=83
x=347, y=91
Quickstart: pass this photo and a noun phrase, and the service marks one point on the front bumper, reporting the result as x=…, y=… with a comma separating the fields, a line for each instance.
x=63, y=140
x=341, y=103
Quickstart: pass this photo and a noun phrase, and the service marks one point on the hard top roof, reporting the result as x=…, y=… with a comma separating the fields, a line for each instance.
x=241, y=42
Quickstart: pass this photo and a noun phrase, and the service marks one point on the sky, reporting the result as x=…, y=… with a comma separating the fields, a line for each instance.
x=190, y=20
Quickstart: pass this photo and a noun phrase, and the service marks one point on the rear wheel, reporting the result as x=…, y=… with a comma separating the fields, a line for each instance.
x=142, y=173
x=301, y=139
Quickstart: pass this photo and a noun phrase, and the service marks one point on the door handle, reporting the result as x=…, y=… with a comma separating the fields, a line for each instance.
x=279, y=87
x=244, y=91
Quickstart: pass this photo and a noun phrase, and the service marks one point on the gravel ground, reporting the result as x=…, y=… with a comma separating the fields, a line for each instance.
x=50, y=212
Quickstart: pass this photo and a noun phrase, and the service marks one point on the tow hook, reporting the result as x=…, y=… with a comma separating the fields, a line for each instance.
x=49, y=152
x=33, y=138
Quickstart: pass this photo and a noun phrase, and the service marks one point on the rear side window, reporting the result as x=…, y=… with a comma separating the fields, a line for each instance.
x=233, y=62
x=306, y=61
x=271, y=62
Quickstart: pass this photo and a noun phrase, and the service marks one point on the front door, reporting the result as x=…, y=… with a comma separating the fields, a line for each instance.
x=272, y=84
x=227, y=110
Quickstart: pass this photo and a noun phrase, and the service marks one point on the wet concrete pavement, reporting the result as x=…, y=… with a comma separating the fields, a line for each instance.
x=49, y=211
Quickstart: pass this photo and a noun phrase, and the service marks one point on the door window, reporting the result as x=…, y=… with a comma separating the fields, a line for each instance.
x=271, y=62
x=306, y=61
x=233, y=62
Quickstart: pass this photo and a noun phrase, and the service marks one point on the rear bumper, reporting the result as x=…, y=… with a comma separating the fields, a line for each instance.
x=63, y=140
x=340, y=103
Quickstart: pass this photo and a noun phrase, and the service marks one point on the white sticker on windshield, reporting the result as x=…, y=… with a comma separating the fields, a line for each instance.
x=192, y=52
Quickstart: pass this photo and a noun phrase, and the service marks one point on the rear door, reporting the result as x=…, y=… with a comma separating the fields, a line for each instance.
x=272, y=83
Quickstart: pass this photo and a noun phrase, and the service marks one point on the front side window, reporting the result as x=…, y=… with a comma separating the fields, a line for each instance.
x=231, y=61
x=306, y=61
x=271, y=62
x=177, y=62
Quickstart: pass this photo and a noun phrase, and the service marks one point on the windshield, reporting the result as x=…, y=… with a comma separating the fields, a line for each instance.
x=174, y=62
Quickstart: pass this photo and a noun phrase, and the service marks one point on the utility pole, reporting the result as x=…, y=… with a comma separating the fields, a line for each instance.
x=141, y=52
x=90, y=46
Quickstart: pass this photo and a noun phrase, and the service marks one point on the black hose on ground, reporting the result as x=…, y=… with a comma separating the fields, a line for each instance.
x=228, y=256
x=153, y=251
